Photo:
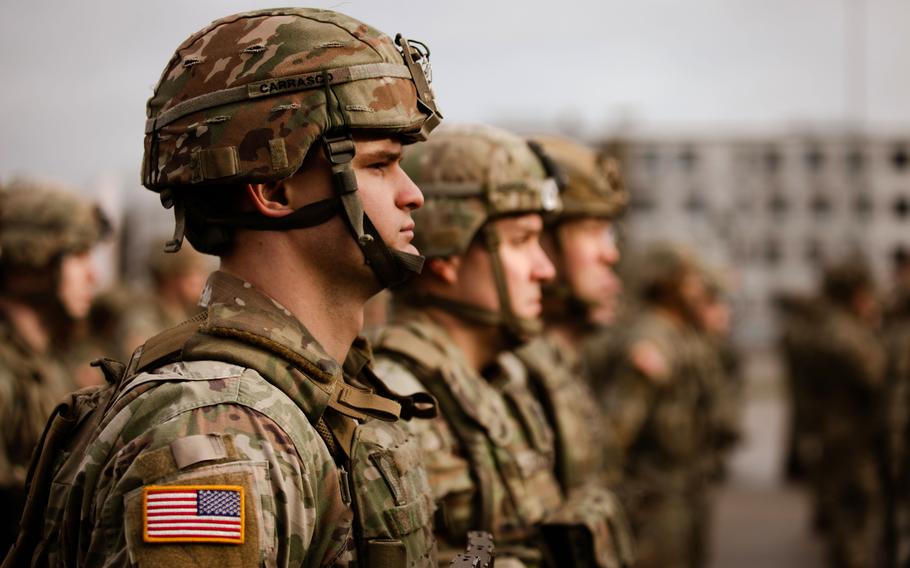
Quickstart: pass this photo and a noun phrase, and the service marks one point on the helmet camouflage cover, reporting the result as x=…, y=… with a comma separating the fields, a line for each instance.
x=245, y=98
x=590, y=181
x=470, y=174
x=40, y=221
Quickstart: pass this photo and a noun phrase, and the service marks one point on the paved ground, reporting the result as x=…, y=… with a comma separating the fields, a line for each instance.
x=760, y=522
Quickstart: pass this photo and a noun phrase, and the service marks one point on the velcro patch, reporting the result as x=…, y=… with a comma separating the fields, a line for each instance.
x=193, y=513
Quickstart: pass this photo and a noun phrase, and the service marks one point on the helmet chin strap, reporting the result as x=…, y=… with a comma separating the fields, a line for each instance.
x=391, y=267
x=515, y=329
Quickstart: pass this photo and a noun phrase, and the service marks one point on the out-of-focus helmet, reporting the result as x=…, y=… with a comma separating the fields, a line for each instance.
x=471, y=174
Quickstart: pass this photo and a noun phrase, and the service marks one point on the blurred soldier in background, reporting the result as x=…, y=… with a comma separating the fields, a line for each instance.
x=842, y=359
x=720, y=370
x=177, y=281
x=896, y=470
x=47, y=282
x=650, y=382
x=276, y=136
x=490, y=455
x=799, y=316
x=580, y=240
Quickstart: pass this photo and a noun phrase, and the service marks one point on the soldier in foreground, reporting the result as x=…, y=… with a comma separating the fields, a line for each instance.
x=648, y=380
x=47, y=281
x=490, y=454
x=254, y=435
x=579, y=239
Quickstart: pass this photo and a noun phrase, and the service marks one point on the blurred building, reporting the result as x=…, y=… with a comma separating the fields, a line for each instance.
x=773, y=208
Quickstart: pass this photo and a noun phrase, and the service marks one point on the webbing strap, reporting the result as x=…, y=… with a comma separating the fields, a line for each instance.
x=277, y=86
x=360, y=403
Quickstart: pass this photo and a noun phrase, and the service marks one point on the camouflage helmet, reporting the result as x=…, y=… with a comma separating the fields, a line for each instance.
x=471, y=174
x=42, y=221
x=660, y=266
x=161, y=266
x=590, y=183
x=245, y=99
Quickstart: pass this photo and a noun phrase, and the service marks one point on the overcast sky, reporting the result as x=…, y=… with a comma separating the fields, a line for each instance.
x=76, y=74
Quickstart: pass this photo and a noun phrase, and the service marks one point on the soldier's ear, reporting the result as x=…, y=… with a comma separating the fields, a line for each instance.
x=444, y=269
x=269, y=199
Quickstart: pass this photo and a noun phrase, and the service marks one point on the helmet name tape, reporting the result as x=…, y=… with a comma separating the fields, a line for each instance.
x=278, y=85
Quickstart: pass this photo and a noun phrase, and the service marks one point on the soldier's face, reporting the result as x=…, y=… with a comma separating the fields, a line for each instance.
x=588, y=252
x=76, y=288
x=525, y=265
x=388, y=194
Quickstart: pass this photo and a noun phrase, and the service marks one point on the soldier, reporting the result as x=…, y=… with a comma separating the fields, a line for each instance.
x=649, y=381
x=580, y=241
x=47, y=280
x=177, y=282
x=845, y=359
x=719, y=362
x=257, y=434
x=490, y=455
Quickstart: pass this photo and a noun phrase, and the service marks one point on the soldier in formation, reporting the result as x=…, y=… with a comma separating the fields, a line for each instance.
x=256, y=433
x=490, y=455
x=839, y=362
x=651, y=381
x=47, y=281
x=583, y=297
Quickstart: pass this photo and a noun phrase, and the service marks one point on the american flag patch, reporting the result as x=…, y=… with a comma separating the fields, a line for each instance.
x=193, y=513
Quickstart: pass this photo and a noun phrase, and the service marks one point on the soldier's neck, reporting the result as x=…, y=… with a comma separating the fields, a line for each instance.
x=28, y=324
x=479, y=344
x=567, y=333
x=332, y=314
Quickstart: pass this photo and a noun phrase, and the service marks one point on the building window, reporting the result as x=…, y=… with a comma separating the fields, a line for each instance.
x=778, y=204
x=695, y=203
x=820, y=204
x=901, y=207
x=772, y=252
x=814, y=159
x=772, y=161
x=899, y=158
x=862, y=205
x=688, y=159
x=855, y=161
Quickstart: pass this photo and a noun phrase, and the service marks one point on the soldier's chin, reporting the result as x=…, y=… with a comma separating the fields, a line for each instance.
x=408, y=248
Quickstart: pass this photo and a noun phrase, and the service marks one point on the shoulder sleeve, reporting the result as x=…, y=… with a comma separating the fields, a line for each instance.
x=223, y=474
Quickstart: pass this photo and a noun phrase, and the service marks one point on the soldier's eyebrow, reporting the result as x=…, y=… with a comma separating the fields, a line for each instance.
x=382, y=155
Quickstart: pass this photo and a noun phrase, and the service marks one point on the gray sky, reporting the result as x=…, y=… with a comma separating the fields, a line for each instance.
x=77, y=74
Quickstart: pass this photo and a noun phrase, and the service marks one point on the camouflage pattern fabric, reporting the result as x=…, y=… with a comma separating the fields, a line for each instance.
x=237, y=409
x=555, y=375
x=31, y=385
x=896, y=497
x=648, y=381
x=470, y=173
x=489, y=455
x=591, y=182
x=40, y=221
x=246, y=97
x=845, y=360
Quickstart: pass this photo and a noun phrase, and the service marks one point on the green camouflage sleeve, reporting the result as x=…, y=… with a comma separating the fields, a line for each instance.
x=289, y=505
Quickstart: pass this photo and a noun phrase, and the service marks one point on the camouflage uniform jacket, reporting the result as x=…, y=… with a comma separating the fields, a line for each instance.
x=31, y=385
x=233, y=418
x=649, y=383
x=490, y=455
x=555, y=375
